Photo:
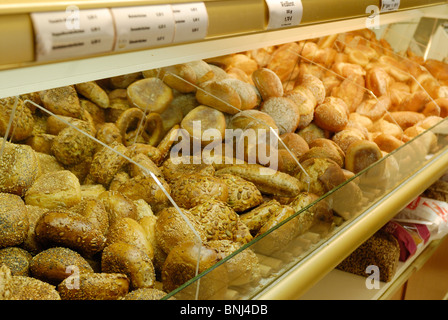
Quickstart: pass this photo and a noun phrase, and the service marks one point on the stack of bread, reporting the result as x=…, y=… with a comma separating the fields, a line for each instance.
x=95, y=205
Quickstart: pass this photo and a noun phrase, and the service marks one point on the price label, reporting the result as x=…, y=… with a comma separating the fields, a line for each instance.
x=283, y=14
x=143, y=26
x=389, y=5
x=72, y=33
x=191, y=21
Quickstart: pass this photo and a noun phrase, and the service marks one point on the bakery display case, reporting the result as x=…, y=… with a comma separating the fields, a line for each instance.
x=208, y=159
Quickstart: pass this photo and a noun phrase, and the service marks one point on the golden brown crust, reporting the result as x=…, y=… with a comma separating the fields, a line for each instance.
x=53, y=190
x=332, y=114
x=150, y=95
x=28, y=288
x=23, y=121
x=63, y=101
x=122, y=257
x=58, y=228
x=242, y=194
x=95, y=286
x=284, y=111
x=93, y=92
x=190, y=190
x=53, y=265
x=268, y=83
x=361, y=154
x=14, y=221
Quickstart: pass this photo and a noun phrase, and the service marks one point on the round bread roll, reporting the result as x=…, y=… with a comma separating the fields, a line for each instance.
x=13, y=220
x=202, y=69
x=320, y=175
x=181, y=77
x=59, y=189
x=181, y=265
x=21, y=126
x=30, y=243
x=374, y=109
x=332, y=114
x=19, y=168
x=243, y=268
x=150, y=95
x=283, y=61
x=315, y=85
x=440, y=105
x=117, y=205
x=93, y=92
x=351, y=90
x=94, y=210
x=63, y=101
x=129, y=231
x=294, y=143
x=346, y=137
x=69, y=229
x=378, y=81
x=122, y=257
x=41, y=142
x=387, y=143
x=228, y=95
x=154, y=192
x=306, y=102
x=94, y=286
x=53, y=265
x=268, y=83
x=384, y=126
x=173, y=228
x=325, y=148
x=190, y=190
x=284, y=111
x=71, y=146
x=172, y=168
x=242, y=194
x=146, y=294
x=143, y=166
x=361, y=154
x=205, y=124
x=313, y=131
x=28, y=288
x=107, y=162
x=108, y=133
x=254, y=120
x=17, y=260
x=217, y=218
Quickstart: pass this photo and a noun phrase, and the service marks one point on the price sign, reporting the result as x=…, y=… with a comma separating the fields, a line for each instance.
x=389, y=5
x=191, y=21
x=143, y=26
x=283, y=14
x=72, y=33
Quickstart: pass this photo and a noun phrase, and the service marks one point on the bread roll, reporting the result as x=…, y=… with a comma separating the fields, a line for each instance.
x=204, y=124
x=268, y=83
x=351, y=91
x=346, y=137
x=172, y=168
x=28, y=288
x=243, y=268
x=315, y=85
x=94, y=286
x=284, y=111
x=173, y=228
x=267, y=180
x=117, y=205
x=62, y=101
x=181, y=265
x=94, y=210
x=107, y=162
x=190, y=190
x=242, y=194
x=387, y=143
x=404, y=119
x=21, y=126
x=53, y=265
x=181, y=77
x=320, y=175
x=378, y=81
x=74, y=145
x=17, y=260
x=257, y=217
x=306, y=102
x=150, y=95
x=58, y=228
x=284, y=59
x=373, y=108
x=312, y=131
x=332, y=114
x=122, y=257
x=361, y=154
x=92, y=91
x=19, y=168
x=129, y=231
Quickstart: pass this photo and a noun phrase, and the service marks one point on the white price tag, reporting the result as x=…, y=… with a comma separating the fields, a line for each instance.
x=72, y=33
x=143, y=26
x=389, y=5
x=191, y=21
x=284, y=14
